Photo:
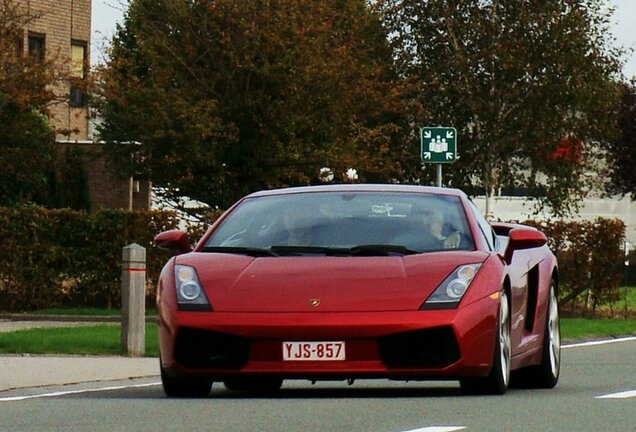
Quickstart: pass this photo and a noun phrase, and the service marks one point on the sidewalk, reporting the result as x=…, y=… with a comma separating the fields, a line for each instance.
x=27, y=370
x=23, y=371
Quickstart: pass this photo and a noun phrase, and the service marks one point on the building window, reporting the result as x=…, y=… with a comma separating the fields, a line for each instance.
x=78, y=62
x=37, y=46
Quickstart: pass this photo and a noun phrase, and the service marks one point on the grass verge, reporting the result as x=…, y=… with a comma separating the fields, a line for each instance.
x=104, y=339
x=587, y=328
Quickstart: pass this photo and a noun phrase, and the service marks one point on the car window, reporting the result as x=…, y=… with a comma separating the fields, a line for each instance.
x=485, y=228
x=415, y=221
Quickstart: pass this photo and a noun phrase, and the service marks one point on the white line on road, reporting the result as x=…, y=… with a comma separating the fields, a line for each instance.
x=71, y=392
x=438, y=429
x=602, y=342
x=621, y=395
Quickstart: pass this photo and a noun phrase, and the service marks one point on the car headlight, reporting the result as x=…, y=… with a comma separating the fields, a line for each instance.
x=450, y=292
x=190, y=294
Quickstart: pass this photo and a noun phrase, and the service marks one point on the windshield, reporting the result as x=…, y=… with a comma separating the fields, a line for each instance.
x=355, y=223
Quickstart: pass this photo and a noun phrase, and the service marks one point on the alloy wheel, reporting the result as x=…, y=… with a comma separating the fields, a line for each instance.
x=504, y=338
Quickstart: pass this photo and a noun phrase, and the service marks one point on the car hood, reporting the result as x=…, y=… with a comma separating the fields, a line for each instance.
x=238, y=283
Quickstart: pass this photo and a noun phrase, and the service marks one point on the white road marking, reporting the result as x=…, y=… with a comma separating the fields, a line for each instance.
x=601, y=342
x=71, y=392
x=438, y=429
x=621, y=395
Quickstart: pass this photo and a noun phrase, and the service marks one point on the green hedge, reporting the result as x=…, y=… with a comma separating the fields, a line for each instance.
x=52, y=258
x=64, y=257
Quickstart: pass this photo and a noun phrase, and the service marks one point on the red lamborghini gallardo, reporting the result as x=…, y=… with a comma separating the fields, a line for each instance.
x=358, y=281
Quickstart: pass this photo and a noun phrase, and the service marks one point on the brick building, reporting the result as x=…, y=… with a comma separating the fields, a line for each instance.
x=61, y=30
x=105, y=188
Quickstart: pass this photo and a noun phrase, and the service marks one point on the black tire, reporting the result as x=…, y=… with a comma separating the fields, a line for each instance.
x=254, y=384
x=496, y=383
x=546, y=374
x=185, y=387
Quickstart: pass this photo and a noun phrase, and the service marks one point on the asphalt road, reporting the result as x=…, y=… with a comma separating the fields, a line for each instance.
x=579, y=403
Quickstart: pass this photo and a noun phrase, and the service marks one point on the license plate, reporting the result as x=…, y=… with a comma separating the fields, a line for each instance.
x=321, y=351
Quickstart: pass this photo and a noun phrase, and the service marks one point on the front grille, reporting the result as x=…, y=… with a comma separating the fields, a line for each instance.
x=204, y=349
x=429, y=348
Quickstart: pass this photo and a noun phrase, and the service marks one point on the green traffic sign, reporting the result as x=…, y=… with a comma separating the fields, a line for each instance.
x=439, y=144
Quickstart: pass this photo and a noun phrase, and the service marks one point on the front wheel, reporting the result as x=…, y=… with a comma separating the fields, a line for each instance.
x=496, y=383
x=546, y=374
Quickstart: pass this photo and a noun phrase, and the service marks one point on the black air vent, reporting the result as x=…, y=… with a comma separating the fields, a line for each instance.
x=434, y=348
x=203, y=349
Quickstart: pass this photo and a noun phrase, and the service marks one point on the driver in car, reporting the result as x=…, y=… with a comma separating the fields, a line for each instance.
x=436, y=227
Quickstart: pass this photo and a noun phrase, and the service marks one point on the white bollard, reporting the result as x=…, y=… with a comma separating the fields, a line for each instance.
x=133, y=307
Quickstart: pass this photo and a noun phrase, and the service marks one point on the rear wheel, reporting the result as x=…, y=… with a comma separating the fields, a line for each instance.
x=546, y=374
x=496, y=382
x=254, y=384
x=185, y=387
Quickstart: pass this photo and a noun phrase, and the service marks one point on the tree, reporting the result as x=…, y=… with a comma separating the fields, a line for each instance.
x=226, y=97
x=518, y=79
x=26, y=142
x=622, y=150
x=26, y=139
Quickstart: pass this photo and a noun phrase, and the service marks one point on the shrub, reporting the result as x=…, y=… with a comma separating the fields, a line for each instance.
x=66, y=257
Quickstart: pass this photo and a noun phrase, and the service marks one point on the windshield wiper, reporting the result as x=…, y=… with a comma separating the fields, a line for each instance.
x=360, y=250
x=240, y=250
x=308, y=250
x=381, y=250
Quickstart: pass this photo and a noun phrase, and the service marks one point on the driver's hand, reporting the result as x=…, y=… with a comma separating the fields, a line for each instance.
x=452, y=241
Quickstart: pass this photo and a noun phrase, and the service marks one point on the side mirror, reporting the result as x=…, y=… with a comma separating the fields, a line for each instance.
x=523, y=238
x=174, y=240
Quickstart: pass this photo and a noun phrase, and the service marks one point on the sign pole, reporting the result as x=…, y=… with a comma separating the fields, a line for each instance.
x=439, y=175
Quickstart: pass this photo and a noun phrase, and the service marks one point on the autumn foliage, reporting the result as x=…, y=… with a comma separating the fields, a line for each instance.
x=227, y=97
x=514, y=78
x=569, y=150
x=26, y=94
x=622, y=150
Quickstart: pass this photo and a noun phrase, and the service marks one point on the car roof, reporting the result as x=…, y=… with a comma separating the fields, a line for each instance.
x=401, y=188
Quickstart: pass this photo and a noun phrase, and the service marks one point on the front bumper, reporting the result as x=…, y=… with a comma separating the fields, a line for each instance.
x=438, y=344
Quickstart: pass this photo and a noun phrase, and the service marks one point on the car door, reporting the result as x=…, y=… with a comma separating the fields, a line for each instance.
x=523, y=271
x=518, y=274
